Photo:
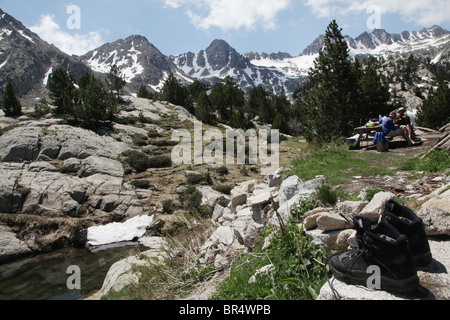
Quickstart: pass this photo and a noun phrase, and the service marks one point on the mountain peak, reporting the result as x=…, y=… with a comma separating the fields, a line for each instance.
x=137, y=38
x=219, y=45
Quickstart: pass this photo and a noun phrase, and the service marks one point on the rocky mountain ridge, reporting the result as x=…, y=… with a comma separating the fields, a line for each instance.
x=432, y=43
x=27, y=60
x=140, y=62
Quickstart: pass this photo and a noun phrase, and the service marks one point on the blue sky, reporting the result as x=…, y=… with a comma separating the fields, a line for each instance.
x=179, y=26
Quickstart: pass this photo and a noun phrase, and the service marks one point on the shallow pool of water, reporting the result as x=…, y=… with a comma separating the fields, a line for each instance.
x=44, y=277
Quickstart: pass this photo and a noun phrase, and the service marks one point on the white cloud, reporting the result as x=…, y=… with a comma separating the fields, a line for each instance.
x=75, y=43
x=427, y=13
x=231, y=14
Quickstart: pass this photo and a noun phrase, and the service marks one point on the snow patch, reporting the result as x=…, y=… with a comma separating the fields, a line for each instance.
x=47, y=75
x=22, y=33
x=4, y=62
x=127, y=63
x=119, y=232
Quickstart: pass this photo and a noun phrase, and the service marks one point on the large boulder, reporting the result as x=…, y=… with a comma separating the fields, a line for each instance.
x=211, y=197
x=20, y=144
x=12, y=248
x=292, y=190
x=376, y=206
x=436, y=214
x=61, y=142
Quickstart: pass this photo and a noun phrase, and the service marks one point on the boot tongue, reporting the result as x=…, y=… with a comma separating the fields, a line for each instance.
x=362, y=224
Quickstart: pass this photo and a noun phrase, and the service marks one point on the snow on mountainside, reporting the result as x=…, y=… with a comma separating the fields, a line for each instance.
x=431, y=42
x=25, y=59
x=28, y=61
x=140, y=62
x=220, y=60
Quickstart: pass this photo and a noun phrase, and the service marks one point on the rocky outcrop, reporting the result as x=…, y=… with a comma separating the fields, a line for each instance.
x=436, y=214
x=123, y=272
x=60, y=142
x=12, y=248
x=253, y=205
x=68, y=179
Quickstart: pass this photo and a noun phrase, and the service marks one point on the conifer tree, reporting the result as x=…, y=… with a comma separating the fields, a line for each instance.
x=435, y=112
x=372, y=95
x=204, y=110
x=63, y=92
x=259, y=103
x=144, y=93
x=281, y=124
x=174, y=92
x=96, y=105
x=328, y=106
x=227, y=98
x=11, y=103
x=115, y=81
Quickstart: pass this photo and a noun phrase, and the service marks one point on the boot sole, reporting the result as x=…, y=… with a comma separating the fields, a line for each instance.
x=394, y=285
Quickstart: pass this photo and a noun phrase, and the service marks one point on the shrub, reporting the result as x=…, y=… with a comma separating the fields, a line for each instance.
x=225, y=189
x=191, y=199
x=222, y=170
x=141, y=184
x=140, y=140
x=68, y=169
x=140, y=162
x=153, y=134
x=137, y=160
x=164, y=143
x=160, y=162
x=169, y=206
x=194, y=178
x=326, y=195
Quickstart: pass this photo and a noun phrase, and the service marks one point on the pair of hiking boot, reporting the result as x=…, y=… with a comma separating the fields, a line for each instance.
x=397, y=246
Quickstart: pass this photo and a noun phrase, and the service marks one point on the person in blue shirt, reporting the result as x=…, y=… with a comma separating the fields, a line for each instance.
x=391, y=130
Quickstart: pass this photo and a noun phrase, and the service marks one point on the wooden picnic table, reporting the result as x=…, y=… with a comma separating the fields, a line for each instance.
x=364, y=133
x=369, y=130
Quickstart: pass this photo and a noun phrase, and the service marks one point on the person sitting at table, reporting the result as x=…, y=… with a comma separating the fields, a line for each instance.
x=403, y=119
x=391, y=130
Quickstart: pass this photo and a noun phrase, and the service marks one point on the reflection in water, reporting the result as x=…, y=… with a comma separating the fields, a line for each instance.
x=44, y=277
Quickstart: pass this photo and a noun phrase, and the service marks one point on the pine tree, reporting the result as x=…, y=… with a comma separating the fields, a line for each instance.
x=96, y=105
x=281, y=124
x=63, y=92
x=259, y=103
x=115, y=81
x=195, y=89
x=227, y=98
x=174, y=92
x=435, y=112
x=144, y=93
x=373, y=95
x=204, y=110
x=11, y=103
x=328, y=107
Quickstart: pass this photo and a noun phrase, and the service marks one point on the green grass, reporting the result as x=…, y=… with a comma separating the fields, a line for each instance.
x=339, y=165
x=436, y=162
x=298, y=272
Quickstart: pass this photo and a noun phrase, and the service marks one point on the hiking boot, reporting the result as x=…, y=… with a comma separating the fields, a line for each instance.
x=409, y=224
x=384, y=247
